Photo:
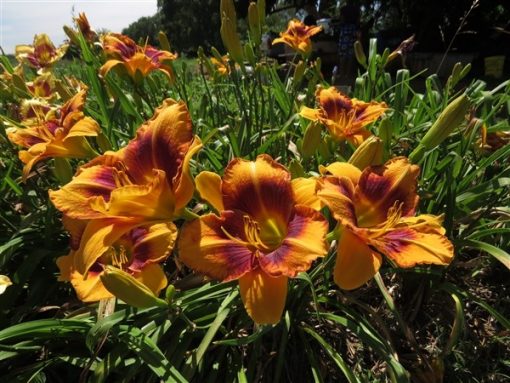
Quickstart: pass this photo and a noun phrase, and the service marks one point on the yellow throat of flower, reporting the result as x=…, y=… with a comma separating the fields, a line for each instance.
x=265, y=237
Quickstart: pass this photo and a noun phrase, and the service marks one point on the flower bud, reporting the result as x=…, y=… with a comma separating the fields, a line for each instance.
x=4, y=283
x=299, y=71
x=449, y=119
x=231, y=40
x=254, y=24
x=163, y=41
x=127, y=288
x=311, y=140
x=360, y=54
x=261, y=5
x=369, y=153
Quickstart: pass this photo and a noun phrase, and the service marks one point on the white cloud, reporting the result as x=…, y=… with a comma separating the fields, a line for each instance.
x=20, y=20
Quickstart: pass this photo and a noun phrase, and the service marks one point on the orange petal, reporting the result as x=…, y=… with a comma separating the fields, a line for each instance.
x=84, y=127
x=355, y=263
x=183, y=183
x=408, y=247
x=75, y=227
x=336, y=193
x=151, y=244
x=108, y=66
x=208, y=185
x=368, y=112
x=160, y=143
x=304, y=192
x=263, y=296
x=310, y=114
x=260, y=188
x=304, y=242
x=152, y=201
x=204, y=246
x=153, y=277
x=380, y=187
x=334, y=104
x=97, y=238
x=342, y=169
x=88, y=289
x=74, y=198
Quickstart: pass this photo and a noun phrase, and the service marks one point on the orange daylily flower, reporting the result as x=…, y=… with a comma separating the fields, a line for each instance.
x=146, y=182
x=376, y=216
x=54, y=133
x=137, y=252
x=260, y=237
x=221, y=66
x=297, y=36
x=134, y=58
x=42, y=55
x=345, y=118
x=84, y=26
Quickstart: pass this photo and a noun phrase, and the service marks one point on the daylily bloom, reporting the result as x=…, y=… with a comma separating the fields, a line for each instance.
x=54, y=133
x=260, y=237
x=297, y=36
x=345, y=118
x=42, y=86
x=42, y=54
x=134, y=58
x=375, y=210
x=221, y=66
x=83, y=25
x=137, y=252
x=146, y=182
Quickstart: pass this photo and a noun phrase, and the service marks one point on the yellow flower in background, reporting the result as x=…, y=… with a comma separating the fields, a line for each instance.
x=137, y=252
x=260, y=237
x=146, y=182
x=345, y=118
x=43, y=86
x=375, y=209
x=42, y=54
x=134, y=58
x=297, y=36
x=52, y=132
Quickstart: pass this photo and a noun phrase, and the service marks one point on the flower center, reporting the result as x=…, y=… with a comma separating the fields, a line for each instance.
x=117, y=256
x=266, y=237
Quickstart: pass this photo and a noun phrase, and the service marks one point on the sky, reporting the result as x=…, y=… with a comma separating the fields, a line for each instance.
x=20, y=20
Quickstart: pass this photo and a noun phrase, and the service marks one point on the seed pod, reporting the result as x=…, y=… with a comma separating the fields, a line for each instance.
x=369, y=153
x=127, y=288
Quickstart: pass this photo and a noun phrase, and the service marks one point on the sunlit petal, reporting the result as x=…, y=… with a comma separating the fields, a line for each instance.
x=355, y=263
x=263, y=296
x=213, y=246
x=305, y=193
x=336, y=193
x=208, y=185
x=261, y=188
x=380, y=187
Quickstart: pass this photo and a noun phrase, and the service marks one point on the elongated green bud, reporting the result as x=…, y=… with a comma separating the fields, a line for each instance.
x=311, y=140
x=250, y=54
x=254, y=24
x=163, y=41
x=71, y=34
x=62, y=170
x=299, y=71
x=261, y=5
x=369, y=153
x=449, y=119
x=360, y=54
x=227, y=9
x=169, y=293
x=127, y=288
x=231, y=40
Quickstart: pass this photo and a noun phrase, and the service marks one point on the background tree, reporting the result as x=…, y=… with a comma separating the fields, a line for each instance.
x=145, y=29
